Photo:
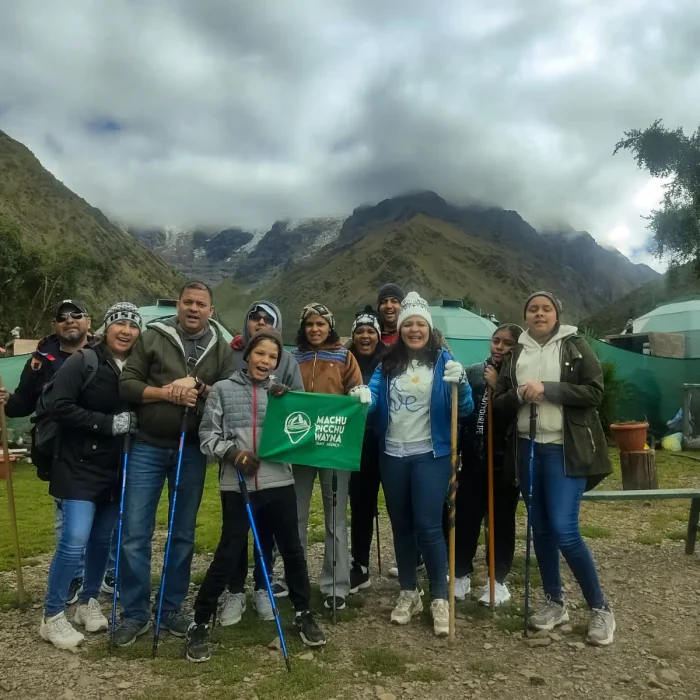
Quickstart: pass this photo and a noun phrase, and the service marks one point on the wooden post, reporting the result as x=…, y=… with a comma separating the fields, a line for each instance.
x=638, y=470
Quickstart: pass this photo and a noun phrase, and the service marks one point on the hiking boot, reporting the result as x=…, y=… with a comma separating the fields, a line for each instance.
x=339, y=603
x=128, y=630
x=501, y=594
x=408, y=605
x=549, y=616
x=463, y=587
x=309, y=631
x=394, y=570
x=60, y=632
x=90, y=617
x=279, y=588
x=175, y=622
x=108, y=584
x=601, y=627
x=76, y=585
x=197, y=644
x=440, y=610
x=359, y=578
x=232, y=609
x=262, y=605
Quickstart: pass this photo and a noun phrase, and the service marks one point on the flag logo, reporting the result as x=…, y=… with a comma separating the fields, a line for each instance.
x=297, y=426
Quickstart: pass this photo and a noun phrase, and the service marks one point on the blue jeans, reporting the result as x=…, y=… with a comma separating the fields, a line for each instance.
x=87, y=528
x=149, y=467
x=57, y=528
x=556, y=501
x=415, y=489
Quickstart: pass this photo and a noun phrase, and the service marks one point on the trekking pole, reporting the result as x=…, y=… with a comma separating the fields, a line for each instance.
x=171, y=519
x=531, y=474
x=379, y=548
x=263, y=567
x=492, y=518
x=334, y=489
x=115, y=593
x=452, y=515
x=11, y=503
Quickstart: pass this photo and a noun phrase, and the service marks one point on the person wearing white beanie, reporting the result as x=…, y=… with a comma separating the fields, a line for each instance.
x=410, y=396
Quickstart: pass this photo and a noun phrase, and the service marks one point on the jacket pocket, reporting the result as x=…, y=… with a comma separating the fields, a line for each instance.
x=581, y=448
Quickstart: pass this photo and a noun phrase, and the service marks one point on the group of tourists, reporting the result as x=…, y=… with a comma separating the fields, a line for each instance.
x=130, y=390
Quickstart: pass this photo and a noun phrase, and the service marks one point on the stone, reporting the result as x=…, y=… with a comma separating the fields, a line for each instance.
x=124, y=685
x=669, y=675
x=386, y=696
x=555, y=637
x=566, y=629
x=84, y=680
x=108, y=674
x=488, y=646
x=654, y=682
x=275, y=644
x=532, y=677
x=308, y=656
x=541, y=642
x=576, y=645
x=68, y=695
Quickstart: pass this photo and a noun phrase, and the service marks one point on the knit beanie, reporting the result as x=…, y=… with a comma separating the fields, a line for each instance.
x=265, y=334
x=123, y=311
x=415, y=305
x=390, y=290
x=366, y=318
x=315, y=309
x=555, y=301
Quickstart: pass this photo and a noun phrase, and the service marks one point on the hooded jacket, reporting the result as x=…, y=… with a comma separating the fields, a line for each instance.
x=574, y=395
x=287, y=371
x=332, y=369
x=234, y=416
x=159, y=358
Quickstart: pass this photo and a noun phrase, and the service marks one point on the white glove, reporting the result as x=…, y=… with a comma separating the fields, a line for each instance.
x=123, y=423
x=362, y=392
x=454, y=373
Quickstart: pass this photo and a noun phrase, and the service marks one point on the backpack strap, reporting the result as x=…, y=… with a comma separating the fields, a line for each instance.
x=90, y=364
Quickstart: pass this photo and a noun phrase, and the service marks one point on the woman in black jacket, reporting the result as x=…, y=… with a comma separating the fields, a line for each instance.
x=472, y=494
x=368, y=349
x=85, y=474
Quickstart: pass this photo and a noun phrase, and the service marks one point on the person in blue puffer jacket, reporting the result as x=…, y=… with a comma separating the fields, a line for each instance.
x=410, y=395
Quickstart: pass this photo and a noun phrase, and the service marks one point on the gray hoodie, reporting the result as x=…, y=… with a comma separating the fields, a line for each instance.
x=287, y=371
x=234, y=416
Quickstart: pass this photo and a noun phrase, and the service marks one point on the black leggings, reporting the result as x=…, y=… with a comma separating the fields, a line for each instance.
x=364, y=490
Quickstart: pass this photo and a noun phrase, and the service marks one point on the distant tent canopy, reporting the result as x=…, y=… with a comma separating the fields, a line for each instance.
x=678, y=317
x=457, y=323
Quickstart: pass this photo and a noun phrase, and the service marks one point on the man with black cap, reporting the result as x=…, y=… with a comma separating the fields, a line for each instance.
x=70, y=333
x=388, y=309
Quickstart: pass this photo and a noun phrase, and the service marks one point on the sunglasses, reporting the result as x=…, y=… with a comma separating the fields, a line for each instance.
x=261, y=316
x=75, y=315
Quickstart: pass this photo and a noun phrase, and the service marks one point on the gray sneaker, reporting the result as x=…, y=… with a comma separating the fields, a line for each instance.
x=175, y=622
x=262, y=605
x=601, y=627
x=550, y=615
x=232, y=609
x=128, y=631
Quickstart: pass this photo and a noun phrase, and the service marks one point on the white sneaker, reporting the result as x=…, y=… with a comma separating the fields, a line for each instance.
x=60, y=632
x=394, y=570
x=440, y=609
x=234, y=605
x=262, y=605
x=408, y=605
x=501, y=594
x=90, y=617
x=463, y=587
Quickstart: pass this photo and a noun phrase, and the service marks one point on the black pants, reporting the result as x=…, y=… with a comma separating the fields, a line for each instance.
x=472, y=508
x=364, y=489
x=275, y=513
x=237, y=582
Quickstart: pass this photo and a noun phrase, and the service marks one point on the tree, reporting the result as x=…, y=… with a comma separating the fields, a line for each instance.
x=671, y=154
x=468, y=302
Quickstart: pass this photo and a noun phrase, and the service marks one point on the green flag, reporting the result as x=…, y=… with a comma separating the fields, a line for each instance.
x=319, y=430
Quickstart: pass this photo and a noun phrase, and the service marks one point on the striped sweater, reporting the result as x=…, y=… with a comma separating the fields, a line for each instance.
x=331, y=369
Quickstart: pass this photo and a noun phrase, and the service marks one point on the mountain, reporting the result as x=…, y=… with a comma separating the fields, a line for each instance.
x=54, y=244
x=676, y=284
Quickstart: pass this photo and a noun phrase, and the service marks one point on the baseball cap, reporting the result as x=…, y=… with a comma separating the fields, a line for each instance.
x=75, y=303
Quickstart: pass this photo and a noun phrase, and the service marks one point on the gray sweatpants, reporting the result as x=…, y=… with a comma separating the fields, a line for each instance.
x=304, y=478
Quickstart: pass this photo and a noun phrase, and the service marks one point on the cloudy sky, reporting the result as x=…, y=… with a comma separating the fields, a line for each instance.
x=222, y=112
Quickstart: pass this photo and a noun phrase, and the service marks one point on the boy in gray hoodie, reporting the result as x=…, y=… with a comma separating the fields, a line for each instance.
x=230, y=432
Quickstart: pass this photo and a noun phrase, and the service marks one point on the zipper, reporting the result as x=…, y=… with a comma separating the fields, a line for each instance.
x=430, y=408
x=590, y=435
x=313, y=373
x=255, y=430
x=563, y=432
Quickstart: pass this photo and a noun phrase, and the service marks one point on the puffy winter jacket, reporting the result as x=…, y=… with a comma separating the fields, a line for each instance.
x=233, y=417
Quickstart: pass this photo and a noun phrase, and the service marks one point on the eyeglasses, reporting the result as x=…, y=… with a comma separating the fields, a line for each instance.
x=75, y=315
x=261, y=316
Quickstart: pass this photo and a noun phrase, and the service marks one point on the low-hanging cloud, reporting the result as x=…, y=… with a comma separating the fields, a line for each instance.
x=224, y=112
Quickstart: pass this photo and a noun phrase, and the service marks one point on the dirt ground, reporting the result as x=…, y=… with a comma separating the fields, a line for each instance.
x=654, y=591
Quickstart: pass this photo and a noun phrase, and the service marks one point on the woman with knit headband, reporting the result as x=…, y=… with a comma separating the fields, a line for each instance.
x=92, y=421
x=326, y=368
x=554, y=368
x=411, y=405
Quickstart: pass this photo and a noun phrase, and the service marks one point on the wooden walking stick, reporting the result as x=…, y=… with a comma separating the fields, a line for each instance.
x=452, y=512
x=492, y=527
x=11, y=503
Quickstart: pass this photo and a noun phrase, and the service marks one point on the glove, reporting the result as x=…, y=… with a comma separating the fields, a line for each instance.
x=124, y=423
x=362, y=392
x=454, y=373
x=277, y=390
x=245, y=461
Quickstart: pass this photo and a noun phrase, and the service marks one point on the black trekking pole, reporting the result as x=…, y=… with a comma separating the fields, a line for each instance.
x=171, y=520
x=379, y=548
x=334, y=489
x=531, y=474
x=263, y=567
x=115, y=592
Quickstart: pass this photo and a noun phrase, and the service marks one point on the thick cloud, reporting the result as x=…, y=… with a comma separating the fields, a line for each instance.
x=220, y=112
